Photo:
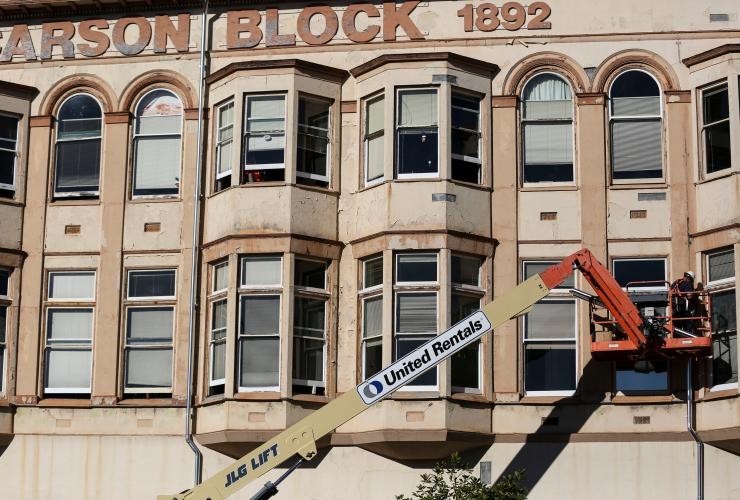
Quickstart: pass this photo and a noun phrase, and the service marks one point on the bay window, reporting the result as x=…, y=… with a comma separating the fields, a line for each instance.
x=417, y=131
x=374, y=141
x=371, y=298
x=78, y=146
x=465, y=138
x=720, y=267
x=466, y=295
x=715, y=131
x=547, y=130
x=309, y=326
x=264, y=138
x=313, y=155
x=218, y=324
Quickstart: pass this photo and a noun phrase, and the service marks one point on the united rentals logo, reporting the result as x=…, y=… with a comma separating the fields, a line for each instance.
x=425, y=357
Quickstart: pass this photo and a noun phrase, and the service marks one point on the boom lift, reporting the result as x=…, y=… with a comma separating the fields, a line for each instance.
x=628, y=334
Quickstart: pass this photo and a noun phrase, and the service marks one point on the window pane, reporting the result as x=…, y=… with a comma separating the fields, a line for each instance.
x=532, y=268
x=157, y=165
x=635, y=93
x=715, y=104
x=721, y=265
x=374, y=115
x=464, y=143
x=635, y=271
x=651, y=377
x=724, y=364
x=463, y=306
x=466, y=270
x=465, y=367
x=7, y=167
x=3, y=327
x=148, y=368
x=717, y=145
x=308, y=359
x=549, y=367
x=417, y=108
x=78, y=165
x=4, y=277
x=547, y=97
x=150, y=325
x=151, y=283
x=265, y=130
x=218, y=361
x=548, y=143
x=405, y=345
x=551, y=319
x=258, y=271
x=417, y=151
x=416, y=313
x=69, y=324
x=310, y=273
x=159, y=112
x=465, y=110
x=373, y=357
x=373, y=272
x=260, y=359
x=309, y=317
x=72, y=285
x=375, y=165
x=218, y=320
x=313, y=136
x=260, y=315
x=8, y=130
x=416, y=268
x=220, y=276
x=8, y=147
x=68, y=369
x=637, y=149
x=724, y=311
x=79, y=117
x=372, y=317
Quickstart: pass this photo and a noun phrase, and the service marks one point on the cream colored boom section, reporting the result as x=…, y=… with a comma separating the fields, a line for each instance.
x=301, y=437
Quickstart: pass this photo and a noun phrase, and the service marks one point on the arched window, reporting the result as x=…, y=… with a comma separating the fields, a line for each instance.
x=636, y=127
x=79, y=126
x=157, y=138
x=547, y=130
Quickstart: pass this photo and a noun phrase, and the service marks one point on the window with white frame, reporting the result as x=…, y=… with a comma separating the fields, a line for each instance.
x=69, y=332
x=374, y=139
x=78, y=146
x=636, y=127
x=550, y=333
x=224, y=144
x=260, y=294
x=218, y=322
x=720, y=267
x=715, y=131
x=157, y=144
x=4, y=305
x=264, y=138
x=466, y=295
x=371, y=300
x=643, y=277
x=8, y=153
x=465, y=138
x=313, y=159
x=309, y=326
x=547, y=130
x=150, y=326
x=417, y=133
x=415, y=296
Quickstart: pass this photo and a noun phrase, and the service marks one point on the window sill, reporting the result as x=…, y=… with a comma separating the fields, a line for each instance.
x=470, y=185
x=310, y=398
x=717, y=176
x=61, y=202
x=529, y=188
x=468, y=397
x=548, y=400
x=317, y=189
x=721, y=392
x=659, y=184
x=258, y=396
x=155, y=199
x=643, y=399
x=131, y=400
x=412, y=395
x=82, y=402
x=12, y=202
x=5, y=403
x=368, y=187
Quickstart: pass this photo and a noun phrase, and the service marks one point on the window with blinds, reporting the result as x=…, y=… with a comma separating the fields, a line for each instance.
x=715, y=131
x=415, y=311
x=224, y=144
x=311, y=299
x=374, y=141
x=78, y=144
x=720, y=267
x=465, y=298
x=417, y=131
x=148, y=349
x=371, y=298
x=264, y=138
x=157, y=144
x=218, y=306
x=8, y=153
x=312, y=156
x=549, y=337
x=636, y=127
x=465, y=138
x=547, y=130
x=260, y=297
x=69, y=330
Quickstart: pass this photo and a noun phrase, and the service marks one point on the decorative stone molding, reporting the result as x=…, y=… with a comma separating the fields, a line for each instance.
x=545, y=61
x=158, y=79
x=504, y=101
x=77, y=84
x=634, y=59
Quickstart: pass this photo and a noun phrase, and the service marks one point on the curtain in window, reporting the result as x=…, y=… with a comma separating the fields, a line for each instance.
x=71, y=285
x=547, y=97
x=418, y=108
x=261, y=271
x=373, y=317
x=150, y=324
x=68, y=369
x=69, y=324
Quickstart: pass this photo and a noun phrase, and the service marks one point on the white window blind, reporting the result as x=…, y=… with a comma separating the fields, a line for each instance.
x=157, y=163
x=636, y=146
x=416, y=313
x=418, y=108
x=152, y=324
x=79, y=285
x=149, y=368
x=548, y=143
x=68, y=369
x=373, y=317
x=721, y=265
x=65, y=325
x=550, y=319
x=258, y=271
x=636, y=106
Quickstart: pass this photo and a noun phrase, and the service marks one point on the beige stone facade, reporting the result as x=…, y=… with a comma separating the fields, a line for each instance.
x=365, y=175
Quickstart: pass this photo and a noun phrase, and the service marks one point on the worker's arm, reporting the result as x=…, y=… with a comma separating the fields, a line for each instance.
x=301, y=437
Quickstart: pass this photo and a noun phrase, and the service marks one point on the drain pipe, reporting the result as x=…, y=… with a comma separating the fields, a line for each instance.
x=690, y=419
x=198, y=473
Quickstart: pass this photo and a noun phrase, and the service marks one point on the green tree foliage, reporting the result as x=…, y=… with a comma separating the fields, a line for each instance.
x=452, y=479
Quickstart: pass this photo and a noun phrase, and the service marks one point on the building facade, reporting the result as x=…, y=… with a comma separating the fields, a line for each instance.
x=267, y=211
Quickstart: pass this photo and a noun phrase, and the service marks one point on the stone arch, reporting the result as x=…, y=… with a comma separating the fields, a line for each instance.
x=614, y=65
x=79, y=83
x=553, y=62
x=160, y=79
